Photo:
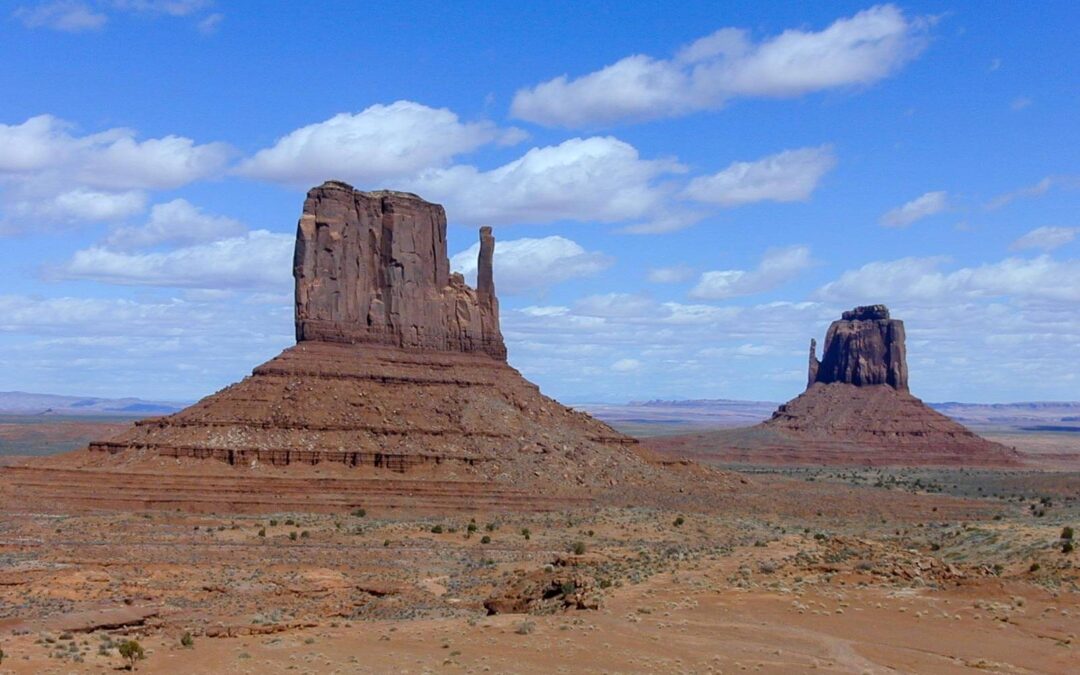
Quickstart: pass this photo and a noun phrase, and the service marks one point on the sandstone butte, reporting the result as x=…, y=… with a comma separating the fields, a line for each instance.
x=856, y=410
x=397, y=393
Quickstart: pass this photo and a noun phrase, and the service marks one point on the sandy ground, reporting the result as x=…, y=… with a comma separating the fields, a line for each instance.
x=828, y=574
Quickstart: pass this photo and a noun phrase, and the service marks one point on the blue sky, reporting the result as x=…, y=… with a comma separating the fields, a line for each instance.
x=681, y=198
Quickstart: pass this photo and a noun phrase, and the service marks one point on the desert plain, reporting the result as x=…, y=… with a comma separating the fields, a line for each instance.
x=780, y=569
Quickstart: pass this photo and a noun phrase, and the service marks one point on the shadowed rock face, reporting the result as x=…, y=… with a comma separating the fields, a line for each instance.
x=863, y=348
x=372, y=267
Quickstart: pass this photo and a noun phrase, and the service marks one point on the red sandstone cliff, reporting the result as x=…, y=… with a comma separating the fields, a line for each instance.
x=372, y=267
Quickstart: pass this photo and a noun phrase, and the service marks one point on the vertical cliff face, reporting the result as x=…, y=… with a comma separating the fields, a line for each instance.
x=372, y=267
x=865, y=347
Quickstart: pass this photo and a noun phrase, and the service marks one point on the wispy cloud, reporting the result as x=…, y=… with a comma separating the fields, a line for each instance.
x=921, y=207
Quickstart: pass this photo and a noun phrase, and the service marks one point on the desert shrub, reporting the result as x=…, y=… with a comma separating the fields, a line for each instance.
x=131, y=651
x=1034, y=567
x=526, y=533
x=1, y=655
x=290, y=521
x=767, y=567
x=1067, y=533
x=262, y=532
x=1067, y=547
x=567, y=588
x=437, y=529
x=186, y=640
x=292, y=536
x=491, y=527
x=359, y=513
x=273, y=522
x=485, y=539
x=578, y=548
x=679, y=521
x=525, y=627
x=471, y=527
x=305, y=534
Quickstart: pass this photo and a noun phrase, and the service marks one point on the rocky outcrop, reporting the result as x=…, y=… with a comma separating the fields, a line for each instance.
x=372, y=267
x=856, y=410
x=865, y=347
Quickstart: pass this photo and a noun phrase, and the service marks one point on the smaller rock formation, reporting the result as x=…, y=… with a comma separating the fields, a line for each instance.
x=864, y=347
x=856, y=410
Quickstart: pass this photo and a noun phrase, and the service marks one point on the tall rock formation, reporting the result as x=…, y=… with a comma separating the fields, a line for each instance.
x=399, y=368
x=372, y=267
x=864, y=347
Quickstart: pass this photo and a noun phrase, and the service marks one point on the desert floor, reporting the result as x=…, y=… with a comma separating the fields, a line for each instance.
x=828, y=569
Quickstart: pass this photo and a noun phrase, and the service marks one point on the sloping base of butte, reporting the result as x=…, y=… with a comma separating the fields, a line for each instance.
x=844, y=424
x=377, y=426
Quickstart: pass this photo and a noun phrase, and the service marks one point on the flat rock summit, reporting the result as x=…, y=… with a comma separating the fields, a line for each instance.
x=857, y=409
x=398, y=378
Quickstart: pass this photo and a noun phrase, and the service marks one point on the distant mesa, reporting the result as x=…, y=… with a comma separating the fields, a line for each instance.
x=399, y=378
x=856, y=409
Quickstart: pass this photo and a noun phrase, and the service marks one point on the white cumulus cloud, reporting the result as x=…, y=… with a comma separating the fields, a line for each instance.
x=523, y=265
x=177, y=222
x=259, y=260
x=599, y=179
x=857, y=50
x=787, y=176
x=923, y=280
x=49, y=174
x=777, y=267
x=378, y=144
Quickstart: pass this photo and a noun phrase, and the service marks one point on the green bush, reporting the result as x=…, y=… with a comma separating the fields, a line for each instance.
x=578, y=548
x=359, y=513
x=292, y=536
x=526, y=533
x=1067, y=533
x=131, y=651
x=679, y=521
x=186, y=640
x=437, y=529
x=262, y=532
x=485, y=539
